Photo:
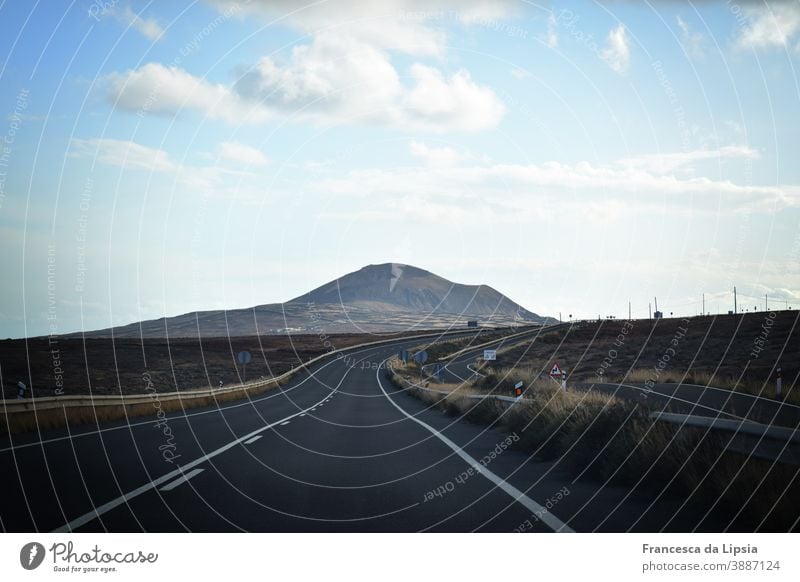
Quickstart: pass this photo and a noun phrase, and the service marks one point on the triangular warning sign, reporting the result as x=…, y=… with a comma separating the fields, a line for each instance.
x=555, y=370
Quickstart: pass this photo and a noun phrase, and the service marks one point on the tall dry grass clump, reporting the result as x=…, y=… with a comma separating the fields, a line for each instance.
x=765, y=389
x=597, y=436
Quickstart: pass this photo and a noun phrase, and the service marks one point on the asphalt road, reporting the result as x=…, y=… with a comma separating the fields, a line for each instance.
x=336, y=449
x=681, y=398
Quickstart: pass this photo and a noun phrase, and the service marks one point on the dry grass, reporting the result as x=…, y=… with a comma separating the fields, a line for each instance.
x=51, y=418
x=703, y=378
x=598, y=436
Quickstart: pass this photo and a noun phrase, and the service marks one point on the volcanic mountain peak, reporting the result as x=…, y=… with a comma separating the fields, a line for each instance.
x=388, y=297
x=409, y=287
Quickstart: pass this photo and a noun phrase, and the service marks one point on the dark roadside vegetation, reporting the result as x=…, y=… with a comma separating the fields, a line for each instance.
x=606, y=439
x=739, y=353
x=105, y=366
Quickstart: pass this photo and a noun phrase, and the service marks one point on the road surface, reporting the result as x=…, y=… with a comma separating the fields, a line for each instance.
x=683, y=398
x=337, y=449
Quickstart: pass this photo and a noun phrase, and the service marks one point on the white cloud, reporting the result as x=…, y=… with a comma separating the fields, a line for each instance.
x=434, y=156
x=683, y=25
x=234, y=151
x=147, y=27
x=616, y=53
x=669, y=162
x=332, y=80
x=551, y=39
x=735, y=126
x=693, y=42
x=397, y=25
x=619, y=185
x=770, y=25
x=334, y=74
x=124, y=154
x=130, y=155
x=455, y=103
x=518, y=73
x=343, y=74
x=155, y=88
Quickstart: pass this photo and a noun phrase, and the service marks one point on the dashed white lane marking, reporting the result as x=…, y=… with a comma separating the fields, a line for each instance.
x=544, y=514
x=181, y=480
x=285, y=423
x=252, y=440
x=302, y=414
x=125, y=498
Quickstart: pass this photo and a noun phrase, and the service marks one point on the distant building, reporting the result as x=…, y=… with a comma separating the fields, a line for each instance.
x=472, y=323
x=658, y=315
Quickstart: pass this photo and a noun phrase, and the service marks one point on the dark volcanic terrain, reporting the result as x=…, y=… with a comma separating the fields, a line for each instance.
x=741, y=352
x=105, y=366
x=378, y=298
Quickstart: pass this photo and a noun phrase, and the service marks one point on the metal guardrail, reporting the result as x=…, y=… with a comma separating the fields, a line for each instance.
x=767, y=450
x=494, y=341
x=510, y=399
x=747, y=427
x=186, y=397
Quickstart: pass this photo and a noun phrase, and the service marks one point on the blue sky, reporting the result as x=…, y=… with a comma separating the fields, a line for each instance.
x=163, y=158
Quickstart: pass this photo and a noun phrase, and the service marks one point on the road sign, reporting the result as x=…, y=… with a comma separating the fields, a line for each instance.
x=244, y=357
x=518, y=385
x=403, y=356
x=421, y=357
x=555, y=372
x=489, y=355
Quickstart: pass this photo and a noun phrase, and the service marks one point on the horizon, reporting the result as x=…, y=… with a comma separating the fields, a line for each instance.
x=573, y=156
x=652, y=307
x=298, y=297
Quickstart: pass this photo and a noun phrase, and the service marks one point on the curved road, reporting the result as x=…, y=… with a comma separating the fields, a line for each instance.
x=336, y=449
x=682, y=398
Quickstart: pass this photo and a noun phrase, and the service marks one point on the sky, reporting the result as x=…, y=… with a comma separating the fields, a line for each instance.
x=161, y=158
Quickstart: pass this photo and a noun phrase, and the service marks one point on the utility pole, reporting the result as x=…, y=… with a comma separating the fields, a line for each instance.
x=650, y=310
x=629, y=310
x=735, y=307
x=559, y=317
x=704, y=303
x=766, y=302
x=656, y=300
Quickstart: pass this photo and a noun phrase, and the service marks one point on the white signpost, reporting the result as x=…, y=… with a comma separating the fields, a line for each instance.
x=558, y=376
x=244, y=358
x=489, y=355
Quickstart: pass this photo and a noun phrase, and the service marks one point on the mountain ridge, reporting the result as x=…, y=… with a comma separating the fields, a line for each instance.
x=385, y=297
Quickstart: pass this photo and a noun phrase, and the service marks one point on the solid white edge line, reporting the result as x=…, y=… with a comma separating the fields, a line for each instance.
x=114, y=503
x=181, y=480
x=543, y=514
x=474, y=371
